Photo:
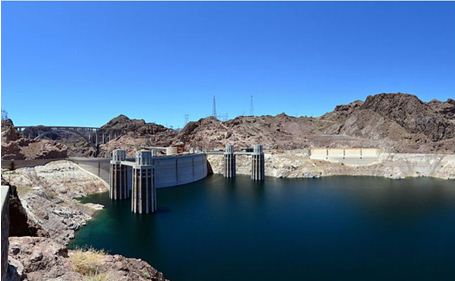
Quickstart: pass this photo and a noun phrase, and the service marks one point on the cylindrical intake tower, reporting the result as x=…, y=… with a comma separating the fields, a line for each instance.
x=257, y=163
x=143, y=195
x=229, y=162
x=118, y=176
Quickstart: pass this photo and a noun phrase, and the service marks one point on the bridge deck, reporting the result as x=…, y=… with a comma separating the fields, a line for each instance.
x=56, y=127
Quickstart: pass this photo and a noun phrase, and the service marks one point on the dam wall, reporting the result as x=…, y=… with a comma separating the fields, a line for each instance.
x=97, y=166
x=169, y=170
x=179, y=169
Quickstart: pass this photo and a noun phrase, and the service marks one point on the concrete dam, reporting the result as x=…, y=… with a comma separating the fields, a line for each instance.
x=169, y=170
x=140, y=178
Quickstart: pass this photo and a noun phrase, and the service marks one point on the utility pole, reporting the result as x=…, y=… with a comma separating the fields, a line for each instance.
x=251, y=106
x=214, y=107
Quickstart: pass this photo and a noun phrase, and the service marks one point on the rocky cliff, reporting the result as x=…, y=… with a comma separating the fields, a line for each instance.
x=14, y=146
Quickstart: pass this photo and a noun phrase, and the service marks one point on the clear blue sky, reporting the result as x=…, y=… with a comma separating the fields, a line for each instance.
x=82, y=63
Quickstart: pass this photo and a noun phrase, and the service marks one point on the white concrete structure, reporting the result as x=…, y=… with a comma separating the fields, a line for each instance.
x=171, y=150
x=118, y=179
x=143, y=193
x=179, y=169
x=229, y=162
x=349, y=156
x=257, y=163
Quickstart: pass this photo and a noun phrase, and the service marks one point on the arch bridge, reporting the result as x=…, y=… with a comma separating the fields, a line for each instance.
x=93, y=136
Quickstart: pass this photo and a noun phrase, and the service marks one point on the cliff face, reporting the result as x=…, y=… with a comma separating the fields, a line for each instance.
x=47, y=194
x=14, y=146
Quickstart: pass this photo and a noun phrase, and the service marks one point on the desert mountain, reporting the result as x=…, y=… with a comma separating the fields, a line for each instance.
x=396, y=122
x=132, y=134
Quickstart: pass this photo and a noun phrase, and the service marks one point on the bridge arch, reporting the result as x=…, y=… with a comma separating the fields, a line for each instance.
x=73, y=131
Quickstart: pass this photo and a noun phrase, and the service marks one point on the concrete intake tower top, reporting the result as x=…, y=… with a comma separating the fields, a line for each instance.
x=229, y=149
x=257, y=149
x=144, y=158
x=118, y=155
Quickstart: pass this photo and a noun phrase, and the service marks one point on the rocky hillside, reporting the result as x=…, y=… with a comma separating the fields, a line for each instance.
x=132, y=134
x=396, y=122
x=15, y=146
x=122, y=132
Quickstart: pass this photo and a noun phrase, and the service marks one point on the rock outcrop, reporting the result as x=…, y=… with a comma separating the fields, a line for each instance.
x=16, y=147
x=414, y=115
x=20, y=224
x=40, y=258
x=48, y=195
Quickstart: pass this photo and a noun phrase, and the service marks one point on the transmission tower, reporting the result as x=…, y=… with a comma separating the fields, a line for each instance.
x=214, y=107
x=4, y=115
x=187, y=118
x=251, y=106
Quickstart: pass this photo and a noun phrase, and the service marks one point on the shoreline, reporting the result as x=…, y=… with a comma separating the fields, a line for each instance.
x=298, y=164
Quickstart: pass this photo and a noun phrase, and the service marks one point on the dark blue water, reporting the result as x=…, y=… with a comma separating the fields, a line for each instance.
x=335, y=228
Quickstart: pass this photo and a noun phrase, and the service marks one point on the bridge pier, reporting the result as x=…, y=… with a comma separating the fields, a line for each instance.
x=257, y=163
x=229, y=162
x=118, y=176
x=143, y=196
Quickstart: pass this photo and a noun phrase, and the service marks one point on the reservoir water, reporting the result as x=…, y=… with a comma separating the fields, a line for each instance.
x=334, y=228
